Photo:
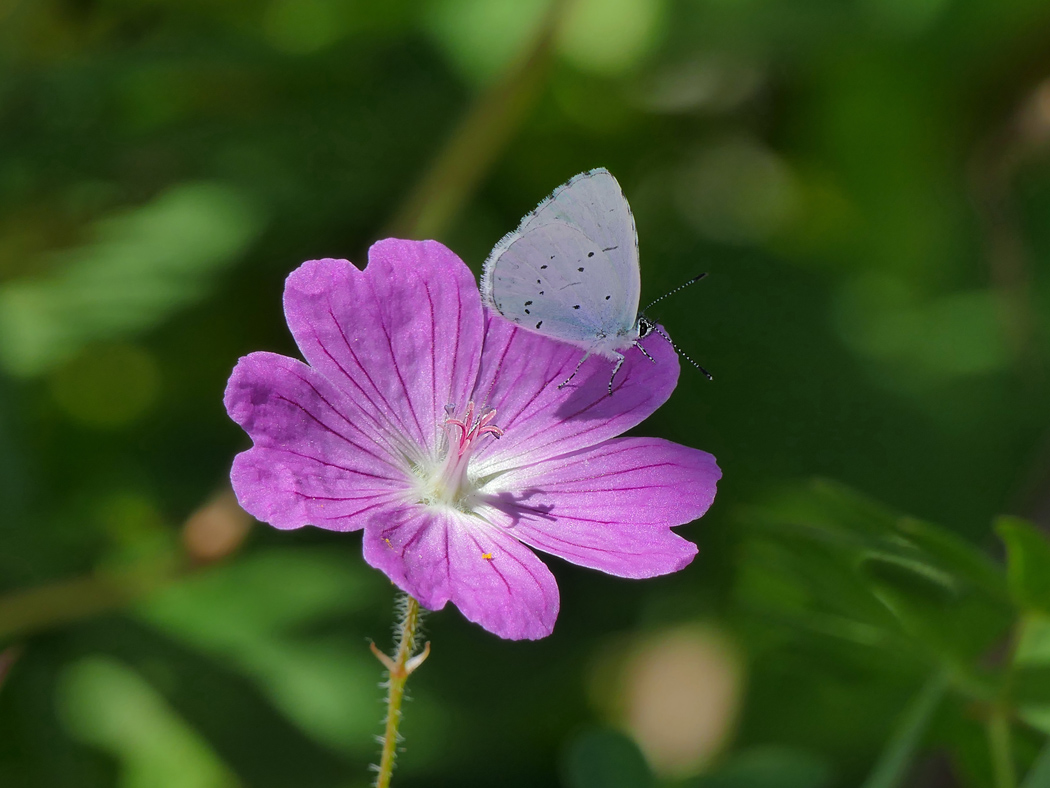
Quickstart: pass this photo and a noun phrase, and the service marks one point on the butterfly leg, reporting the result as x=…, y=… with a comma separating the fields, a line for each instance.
x=619, y=363
x=645, y=352
x=565, y=382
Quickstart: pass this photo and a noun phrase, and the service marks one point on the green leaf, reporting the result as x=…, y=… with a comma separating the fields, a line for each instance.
x=600, y=758
x=142, y=265
x=256, y=614
x=892, y=767
x=826, y=553
x=951, y=623
x=1039, y=775
x=1027, y=562
x=768, y=767
x=834, y=514
x=266, y=593
x=1031, y=685
x=106, y=704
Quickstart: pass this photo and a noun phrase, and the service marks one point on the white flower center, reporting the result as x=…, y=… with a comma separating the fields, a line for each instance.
x=447, y=482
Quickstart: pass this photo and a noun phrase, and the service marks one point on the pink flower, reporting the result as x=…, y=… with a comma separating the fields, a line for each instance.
x=440, y=430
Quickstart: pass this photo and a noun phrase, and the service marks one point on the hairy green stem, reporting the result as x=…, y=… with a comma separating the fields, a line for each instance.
x=398, y=670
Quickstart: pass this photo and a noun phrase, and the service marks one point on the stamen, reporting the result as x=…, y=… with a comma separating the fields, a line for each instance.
x=470, y=428
x=451, y=483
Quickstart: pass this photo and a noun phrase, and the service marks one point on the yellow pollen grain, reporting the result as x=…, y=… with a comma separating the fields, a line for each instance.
x=487, y=556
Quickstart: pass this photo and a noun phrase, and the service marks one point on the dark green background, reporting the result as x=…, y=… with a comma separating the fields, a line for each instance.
x=867, y=183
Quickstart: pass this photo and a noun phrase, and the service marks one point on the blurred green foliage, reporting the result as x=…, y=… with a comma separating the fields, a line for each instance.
x=110, y=706
x=868, y=184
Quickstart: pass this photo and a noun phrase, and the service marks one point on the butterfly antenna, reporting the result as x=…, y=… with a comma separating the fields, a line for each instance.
x=692, y=281
x=677, y=350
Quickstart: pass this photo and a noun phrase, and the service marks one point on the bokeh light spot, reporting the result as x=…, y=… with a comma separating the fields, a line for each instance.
x=107, y=386
x=905, y=17
x=302, y=26
x=481, y=37
x=737, y=191
x=136, y=529
x=682, y=691
x=216, y=530
x=950, y=336
x=715, y=84
x=129, y=516
x=611, y=36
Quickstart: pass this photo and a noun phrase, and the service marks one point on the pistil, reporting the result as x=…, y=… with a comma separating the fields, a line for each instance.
x=451, y=483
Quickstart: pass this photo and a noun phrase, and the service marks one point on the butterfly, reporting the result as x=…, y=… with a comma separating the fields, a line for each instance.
x=570, y=271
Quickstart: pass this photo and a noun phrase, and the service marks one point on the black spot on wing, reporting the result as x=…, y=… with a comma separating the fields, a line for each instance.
x=539, y=323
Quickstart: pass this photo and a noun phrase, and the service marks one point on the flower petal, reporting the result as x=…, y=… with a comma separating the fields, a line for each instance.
x=521, y=373
x=440, y=556
x=403, y=337
x=312, y=463
x=611, y=507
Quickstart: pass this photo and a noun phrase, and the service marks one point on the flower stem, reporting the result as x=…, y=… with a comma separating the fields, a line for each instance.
x=398, y=670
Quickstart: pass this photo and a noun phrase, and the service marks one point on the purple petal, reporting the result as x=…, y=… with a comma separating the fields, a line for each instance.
x=520, y=376
x=403, y=337
x=312, y=463
x=440, y=556
x=611, y=507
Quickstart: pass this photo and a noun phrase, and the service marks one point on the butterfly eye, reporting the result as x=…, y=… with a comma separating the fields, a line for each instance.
x=645, y=327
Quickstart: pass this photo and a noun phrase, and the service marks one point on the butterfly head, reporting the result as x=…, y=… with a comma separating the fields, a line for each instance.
x=644, y=327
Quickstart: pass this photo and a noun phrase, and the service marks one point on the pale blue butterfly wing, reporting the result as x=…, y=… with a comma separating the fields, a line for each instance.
x=570, y=270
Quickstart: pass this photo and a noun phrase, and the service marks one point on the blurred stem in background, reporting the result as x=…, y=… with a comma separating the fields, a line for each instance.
x=474, y=147
x=212, y=533
x=8, y=657
x=1022, y=138
x=1016, y=143
x=999, y=743
x=895, y=762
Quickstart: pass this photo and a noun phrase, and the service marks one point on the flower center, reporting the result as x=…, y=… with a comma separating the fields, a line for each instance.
x=450, y=484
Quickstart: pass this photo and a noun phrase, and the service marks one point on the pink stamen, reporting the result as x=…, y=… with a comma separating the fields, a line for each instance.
x=471, y=429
